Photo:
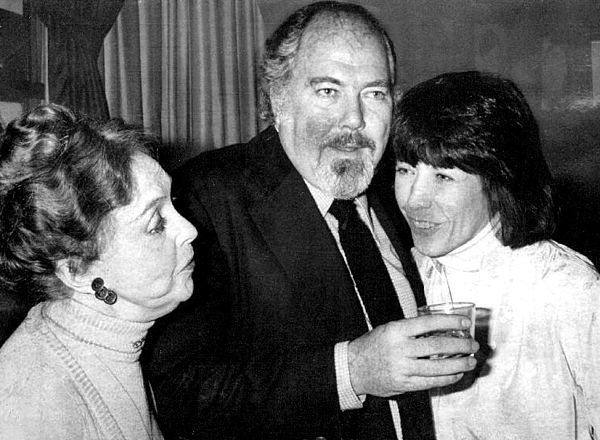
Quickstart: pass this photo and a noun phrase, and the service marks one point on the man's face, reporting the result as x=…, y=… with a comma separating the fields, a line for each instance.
x=333, y=115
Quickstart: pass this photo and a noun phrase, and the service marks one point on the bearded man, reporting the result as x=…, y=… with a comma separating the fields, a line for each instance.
x=281, y=339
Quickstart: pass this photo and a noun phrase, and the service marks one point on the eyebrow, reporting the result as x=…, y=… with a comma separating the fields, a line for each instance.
x=329, y=79
x=153, y=203
x=322, y=79
x=156, y=201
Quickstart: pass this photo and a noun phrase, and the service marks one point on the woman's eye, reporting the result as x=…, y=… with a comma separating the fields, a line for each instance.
x=444, y=177
x=160, y=225
x=403, y=170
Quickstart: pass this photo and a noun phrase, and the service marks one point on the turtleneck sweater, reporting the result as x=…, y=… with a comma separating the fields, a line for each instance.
x=538, y=308
x=70, y=372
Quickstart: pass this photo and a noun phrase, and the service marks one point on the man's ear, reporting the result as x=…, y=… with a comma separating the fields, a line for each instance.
x=67, y=273
x=277, y=97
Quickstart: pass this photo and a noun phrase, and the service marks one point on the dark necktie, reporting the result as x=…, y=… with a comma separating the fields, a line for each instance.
x=381, y=303
x=366, y=265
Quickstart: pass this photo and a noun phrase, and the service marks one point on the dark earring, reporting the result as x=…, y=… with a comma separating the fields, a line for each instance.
x=102, y=293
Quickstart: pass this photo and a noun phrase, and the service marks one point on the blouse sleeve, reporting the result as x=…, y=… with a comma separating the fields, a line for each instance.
x=576, y=283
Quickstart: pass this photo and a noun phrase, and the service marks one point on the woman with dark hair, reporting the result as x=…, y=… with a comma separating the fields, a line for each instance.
x=87, y=227
x=475, y=188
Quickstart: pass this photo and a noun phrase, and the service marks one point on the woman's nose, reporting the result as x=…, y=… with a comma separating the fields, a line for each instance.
x=420, y=195
x=187, y=232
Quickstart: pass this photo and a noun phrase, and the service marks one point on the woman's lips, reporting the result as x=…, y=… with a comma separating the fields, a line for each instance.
x=422, y=226
x=189, y=266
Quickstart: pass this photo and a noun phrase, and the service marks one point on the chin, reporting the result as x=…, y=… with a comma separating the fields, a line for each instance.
x=345, y=178
x=429, y=250
x=350, y=186
x=188, y=289
x=175, y=297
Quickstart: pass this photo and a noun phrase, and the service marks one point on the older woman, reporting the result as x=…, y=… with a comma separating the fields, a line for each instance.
x=87, y=225
x=475, y=189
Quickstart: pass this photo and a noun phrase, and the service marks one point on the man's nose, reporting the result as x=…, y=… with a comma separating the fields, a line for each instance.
x=353, y=116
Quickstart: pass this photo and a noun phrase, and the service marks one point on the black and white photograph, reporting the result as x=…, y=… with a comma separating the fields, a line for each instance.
x=299, y=219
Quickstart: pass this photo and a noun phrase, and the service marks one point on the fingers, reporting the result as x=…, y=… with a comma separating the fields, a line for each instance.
x=418, y=383
x=430, y=368
x=423, y=374
x=441, y=346
x=432, y=323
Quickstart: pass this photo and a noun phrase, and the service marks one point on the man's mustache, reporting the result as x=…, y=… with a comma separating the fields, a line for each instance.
x=349, y=140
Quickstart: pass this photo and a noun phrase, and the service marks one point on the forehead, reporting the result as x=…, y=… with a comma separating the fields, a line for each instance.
x=147, y=172
x=150, y=183
x=342, y=40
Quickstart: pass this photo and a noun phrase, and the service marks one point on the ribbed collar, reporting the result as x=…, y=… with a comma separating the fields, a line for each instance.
x=86, y=325
x=469, y=256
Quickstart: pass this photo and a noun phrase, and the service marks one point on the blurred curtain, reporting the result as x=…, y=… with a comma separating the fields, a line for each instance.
x=186, y=70
x=76, y=31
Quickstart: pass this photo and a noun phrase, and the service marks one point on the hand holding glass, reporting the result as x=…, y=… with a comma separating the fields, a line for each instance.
x=451, y=308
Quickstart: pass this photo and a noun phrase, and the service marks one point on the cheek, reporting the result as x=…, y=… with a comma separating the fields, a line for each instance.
x=400, y=191
x=468, y=220
x=318, y=128
x=157, y=278
x=379, y=120
x=157, y=264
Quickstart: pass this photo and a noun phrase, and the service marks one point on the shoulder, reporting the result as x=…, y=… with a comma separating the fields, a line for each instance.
x=242, y=171
x=37, y=399
x=233, y=161
x=27, y=362
x=22, y=353
x=547, y=271
x=549, y=259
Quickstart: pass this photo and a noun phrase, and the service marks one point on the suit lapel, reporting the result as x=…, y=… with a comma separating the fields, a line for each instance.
x=398, y=233
x=296, y=233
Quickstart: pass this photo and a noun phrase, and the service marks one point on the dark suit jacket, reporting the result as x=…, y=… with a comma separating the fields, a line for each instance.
x=251, y=354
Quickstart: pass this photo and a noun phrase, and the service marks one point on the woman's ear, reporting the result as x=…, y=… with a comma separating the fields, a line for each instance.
x=66, y=271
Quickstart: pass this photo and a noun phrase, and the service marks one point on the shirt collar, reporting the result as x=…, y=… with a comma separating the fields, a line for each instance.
x=324, y=200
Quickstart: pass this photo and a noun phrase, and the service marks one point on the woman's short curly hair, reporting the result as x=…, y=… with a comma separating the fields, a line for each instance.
x=283, y=45
x=482, y=124
x=61, y=174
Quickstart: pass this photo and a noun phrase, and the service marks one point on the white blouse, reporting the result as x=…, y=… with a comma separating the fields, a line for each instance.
x=538, y=310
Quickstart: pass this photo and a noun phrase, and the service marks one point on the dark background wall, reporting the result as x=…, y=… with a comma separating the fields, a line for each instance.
x=545, y=46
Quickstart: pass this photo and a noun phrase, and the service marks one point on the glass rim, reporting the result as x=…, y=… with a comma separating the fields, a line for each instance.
x=447, y=305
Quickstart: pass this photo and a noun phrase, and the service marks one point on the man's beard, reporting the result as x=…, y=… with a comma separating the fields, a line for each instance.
x=346, y=178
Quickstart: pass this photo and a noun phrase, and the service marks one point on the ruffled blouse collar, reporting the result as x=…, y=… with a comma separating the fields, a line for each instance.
x=125, y=338
x=469, y=256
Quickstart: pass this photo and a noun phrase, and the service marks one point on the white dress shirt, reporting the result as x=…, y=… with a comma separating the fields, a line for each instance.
x=347, y=396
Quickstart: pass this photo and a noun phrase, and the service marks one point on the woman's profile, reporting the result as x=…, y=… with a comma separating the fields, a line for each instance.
x=87, y=228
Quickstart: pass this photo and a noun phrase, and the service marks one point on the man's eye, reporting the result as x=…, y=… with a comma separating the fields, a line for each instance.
x=379, y=94
x=326, y=92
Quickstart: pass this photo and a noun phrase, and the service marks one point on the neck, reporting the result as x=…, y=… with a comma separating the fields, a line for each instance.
x=122, y=309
